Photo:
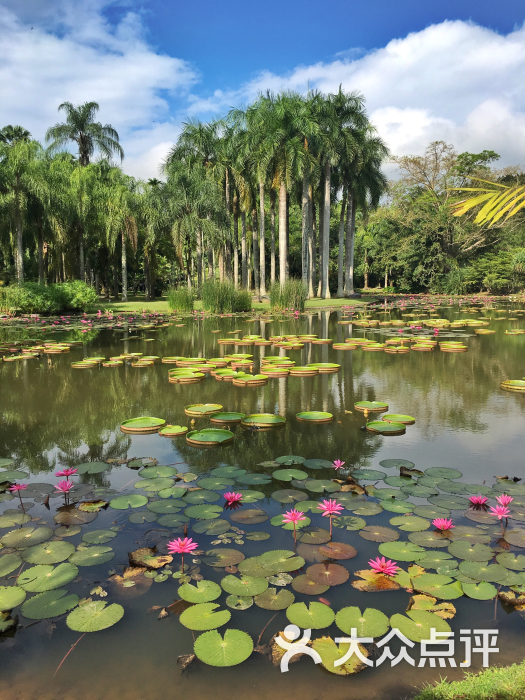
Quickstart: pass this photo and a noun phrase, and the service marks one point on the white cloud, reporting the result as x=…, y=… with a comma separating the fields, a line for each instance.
x=454, y=81
x=89, y=60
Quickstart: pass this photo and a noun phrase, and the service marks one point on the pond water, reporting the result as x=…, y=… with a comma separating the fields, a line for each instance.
x=54, y=416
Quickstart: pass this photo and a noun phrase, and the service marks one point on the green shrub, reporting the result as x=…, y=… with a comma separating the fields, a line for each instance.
x=292, y=295
x=181, y=299
x=223, y=297
x=507, y=683
x=33, y=298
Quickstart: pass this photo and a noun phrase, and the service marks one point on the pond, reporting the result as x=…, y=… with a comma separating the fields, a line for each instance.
x=467, y=434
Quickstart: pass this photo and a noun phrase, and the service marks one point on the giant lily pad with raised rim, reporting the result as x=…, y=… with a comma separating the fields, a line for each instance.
x=49, y=604
x=263, y=420
x=316, y=616
x=418, y=624
x=370, y=623
x=204, y=616
x=203, y=592
x=398, y=418
x=202, y=409
x=384, y=428
x=314, y=416
x=143, y=425
x=94, y=616
x=209, y=437
x=227, y=417
x=371, y=406
x=214, y=650
x=244, y=586
x=11, y=597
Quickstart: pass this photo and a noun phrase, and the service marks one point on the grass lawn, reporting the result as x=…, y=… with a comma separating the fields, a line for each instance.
x=137, y=304
x=507, y=683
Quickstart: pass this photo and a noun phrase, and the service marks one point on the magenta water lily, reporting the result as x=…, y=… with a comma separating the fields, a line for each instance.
x=18, y=488
x=293, y=516
x=384, y=566
x=443, y=524
x=182, y=546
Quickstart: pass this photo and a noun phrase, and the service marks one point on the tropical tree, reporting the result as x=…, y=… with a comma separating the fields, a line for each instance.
x=11, y=134
x=88, y=134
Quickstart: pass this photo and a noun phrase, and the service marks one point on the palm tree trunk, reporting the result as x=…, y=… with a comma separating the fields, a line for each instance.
x=221, y=263
x=235, y=241
x=366, y=269
x=210, y=262
x=340, y=261
x=227, y=244
x=305, y=229
x=19, y=249
x=312, y=253
x=81, y=263
x=115, y=277
x=147, y=275
x=244, y=261
x=262, y=247
x=255, y=248
x=287, y=257
x=199, y=258
x=40, y=240
x=349, y=253
x=325, y=290
x=272, y=236
x=320, y=230
x=282, y=233
x=124, y=269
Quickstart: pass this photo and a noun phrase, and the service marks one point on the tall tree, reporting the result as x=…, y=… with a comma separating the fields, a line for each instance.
x=88, y=134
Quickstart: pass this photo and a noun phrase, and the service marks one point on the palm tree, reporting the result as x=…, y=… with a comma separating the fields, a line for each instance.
x=497, y=201
x=12, y=134
x=88, y=134
x=120, y=196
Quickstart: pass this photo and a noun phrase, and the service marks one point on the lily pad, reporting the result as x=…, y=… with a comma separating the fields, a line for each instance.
x=214, y=650
x=321, y=485
x=289, y=474
x=379, y=533
x=13, y=475
x=98, y=536
x=244, y=586
x=396, y=463
x=203, y=592
x=372, y=406
x=48, y=552
x=125, y=502
x=46, y=577
x=8, y=563
x=480, y=591
x=159, y=471
x=209, y=437
x=221, y=558
x=429, y=538
x=271, y=599
x=149, y=558
x=366, y=509
x=254, y=479
x=12, y=519
x=249, y=496
x=200, y=496
x=316, y=616
x=304, y=584
x=49, y=604
x=91, y=556
x=313, y=535
x=173, y=520
x=94, y=616
x=172, y=492
x=349, y=522
x=471, y=552
x=402, y=551
x=396, y=506
x=515, y=537
x=438, y=586
x=215, y=482
x=289, y=496
x=431, y=512
x=69, y=515
x=26, y=536
x=330, y=653
x=385, y=428
x=450, y=502
x=249, y=517
x=435, y=558
x=204, y=512
x=143, y=516
x=371, y=582
x=280, y=560
x=257, y=536
x=154, y=484
x=93, y=468
x=228, y=472
x=338, y=550
x=419, y=491
x=507, y=559
x=211, y=527
x=443, y=473
x=410, y=523
x=289, y=459
x=368, y=474
x=418, y=624
x=371, y=623
x=204, y=616
x=11, y=597
x=399, y=418
x=317, y=464
x=469, y=534
x=328, y=574
x=166, y=506
x=483, y=571
x=277, y=521
x=251, y=567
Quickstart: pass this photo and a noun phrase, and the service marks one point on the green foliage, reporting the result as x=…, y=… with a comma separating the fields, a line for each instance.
x=223, y=297
x=181, y=299
x=493, y=683
x=31, y=298
x=292, y=295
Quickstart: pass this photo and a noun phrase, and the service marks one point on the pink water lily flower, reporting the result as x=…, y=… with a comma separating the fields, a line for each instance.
x=18, y=487
x=504, y=500
x=478, y=500
x=64, y=486
x=232, y=498
x=338, y=464
x=500, y=511
x=182, y=546
x=293, y=516
x=443, y=524
x=382, y=566
x=66, y=472
x=330, y=507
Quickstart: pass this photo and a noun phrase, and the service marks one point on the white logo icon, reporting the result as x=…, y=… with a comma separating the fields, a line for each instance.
x=292, y=648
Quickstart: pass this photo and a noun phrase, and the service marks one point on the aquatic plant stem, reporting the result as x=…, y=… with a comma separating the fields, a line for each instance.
x=68, y=653
x=21, y=503
x=265, y=627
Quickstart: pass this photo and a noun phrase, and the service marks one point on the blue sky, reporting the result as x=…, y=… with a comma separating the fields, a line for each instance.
x=453, y=71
